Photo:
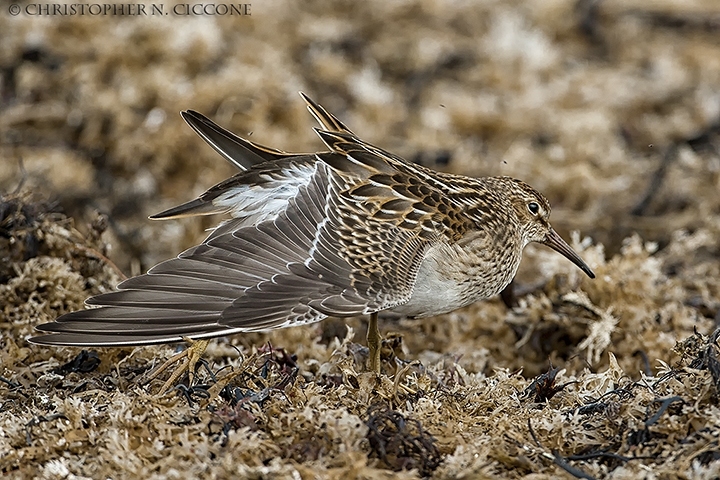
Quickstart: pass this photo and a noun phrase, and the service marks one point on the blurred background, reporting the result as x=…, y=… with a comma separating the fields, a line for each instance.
x=611, y=108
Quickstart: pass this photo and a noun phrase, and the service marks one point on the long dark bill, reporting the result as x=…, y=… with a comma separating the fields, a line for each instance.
x=555, y=241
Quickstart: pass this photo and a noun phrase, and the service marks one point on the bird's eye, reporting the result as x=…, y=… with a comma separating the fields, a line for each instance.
x=534, y=208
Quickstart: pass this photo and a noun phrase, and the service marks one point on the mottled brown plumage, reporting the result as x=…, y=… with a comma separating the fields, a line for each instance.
x=351, y=231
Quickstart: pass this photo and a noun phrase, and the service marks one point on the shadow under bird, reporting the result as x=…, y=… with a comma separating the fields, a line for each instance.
x=354, y=230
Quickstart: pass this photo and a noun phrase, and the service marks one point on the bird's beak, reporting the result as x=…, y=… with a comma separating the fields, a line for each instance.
x=555, y=241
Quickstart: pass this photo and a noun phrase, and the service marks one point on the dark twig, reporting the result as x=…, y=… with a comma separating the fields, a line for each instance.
x=656, y=181
x=559, y=460
x=532, y=434
x=23, y=177
x=664, y=404
x=615, y=456
x=645, y=361
x=10, y=383
x=575, y=472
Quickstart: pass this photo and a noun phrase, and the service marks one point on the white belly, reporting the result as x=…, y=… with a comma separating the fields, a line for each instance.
x=433, y=294
x=449, y=279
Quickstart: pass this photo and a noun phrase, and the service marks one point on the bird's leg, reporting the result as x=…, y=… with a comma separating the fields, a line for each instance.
x=194, y=353
x=374, y=341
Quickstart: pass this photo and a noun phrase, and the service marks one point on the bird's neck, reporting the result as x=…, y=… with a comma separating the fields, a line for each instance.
x=496, y=258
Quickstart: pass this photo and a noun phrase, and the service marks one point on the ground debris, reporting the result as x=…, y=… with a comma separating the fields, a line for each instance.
x=484, y=87
x=86, y=361
x=22, y=218
x=543, y=387
x=401, y=443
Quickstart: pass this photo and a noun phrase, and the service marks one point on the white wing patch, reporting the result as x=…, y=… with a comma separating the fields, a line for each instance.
x=262, y=202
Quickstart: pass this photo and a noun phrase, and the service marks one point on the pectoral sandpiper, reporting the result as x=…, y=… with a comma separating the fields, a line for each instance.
x=350, y=231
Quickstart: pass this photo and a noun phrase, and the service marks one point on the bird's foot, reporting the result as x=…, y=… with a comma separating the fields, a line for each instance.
x=192, y=354
x=222, y=382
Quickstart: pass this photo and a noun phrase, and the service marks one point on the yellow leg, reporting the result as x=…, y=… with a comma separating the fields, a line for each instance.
x=194, y=353
x=374, y=341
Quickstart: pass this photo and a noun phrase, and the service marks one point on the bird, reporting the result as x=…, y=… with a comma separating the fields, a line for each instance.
x=353, y=230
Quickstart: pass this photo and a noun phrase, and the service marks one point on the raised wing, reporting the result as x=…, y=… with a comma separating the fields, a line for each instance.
x=315, y=259
x=339, y=233
x=240, y=152
x=327, y=120
x=255, y=195
x=245, y=155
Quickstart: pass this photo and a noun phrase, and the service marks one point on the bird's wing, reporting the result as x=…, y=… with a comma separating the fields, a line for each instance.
x=240, y=152
x=316, y=258
x=255, y=195
x=243, y=153
x=327, y=120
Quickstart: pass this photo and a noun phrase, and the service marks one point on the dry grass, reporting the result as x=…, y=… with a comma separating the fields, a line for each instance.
x=610, y=108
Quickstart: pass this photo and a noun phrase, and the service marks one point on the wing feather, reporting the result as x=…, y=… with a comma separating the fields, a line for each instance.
x=238, y=151
x=327, y=120
x=303, y=248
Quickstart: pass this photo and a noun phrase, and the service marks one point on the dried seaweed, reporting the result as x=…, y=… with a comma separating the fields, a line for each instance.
x=468, y=88
x=86, y=361
x=21, y=220
x=543, y=387
x=401, y=443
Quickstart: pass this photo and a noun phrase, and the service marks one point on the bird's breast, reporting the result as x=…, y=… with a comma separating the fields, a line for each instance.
x=454, y=276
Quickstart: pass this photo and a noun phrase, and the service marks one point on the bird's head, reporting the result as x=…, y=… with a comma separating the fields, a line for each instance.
x=533, y=212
